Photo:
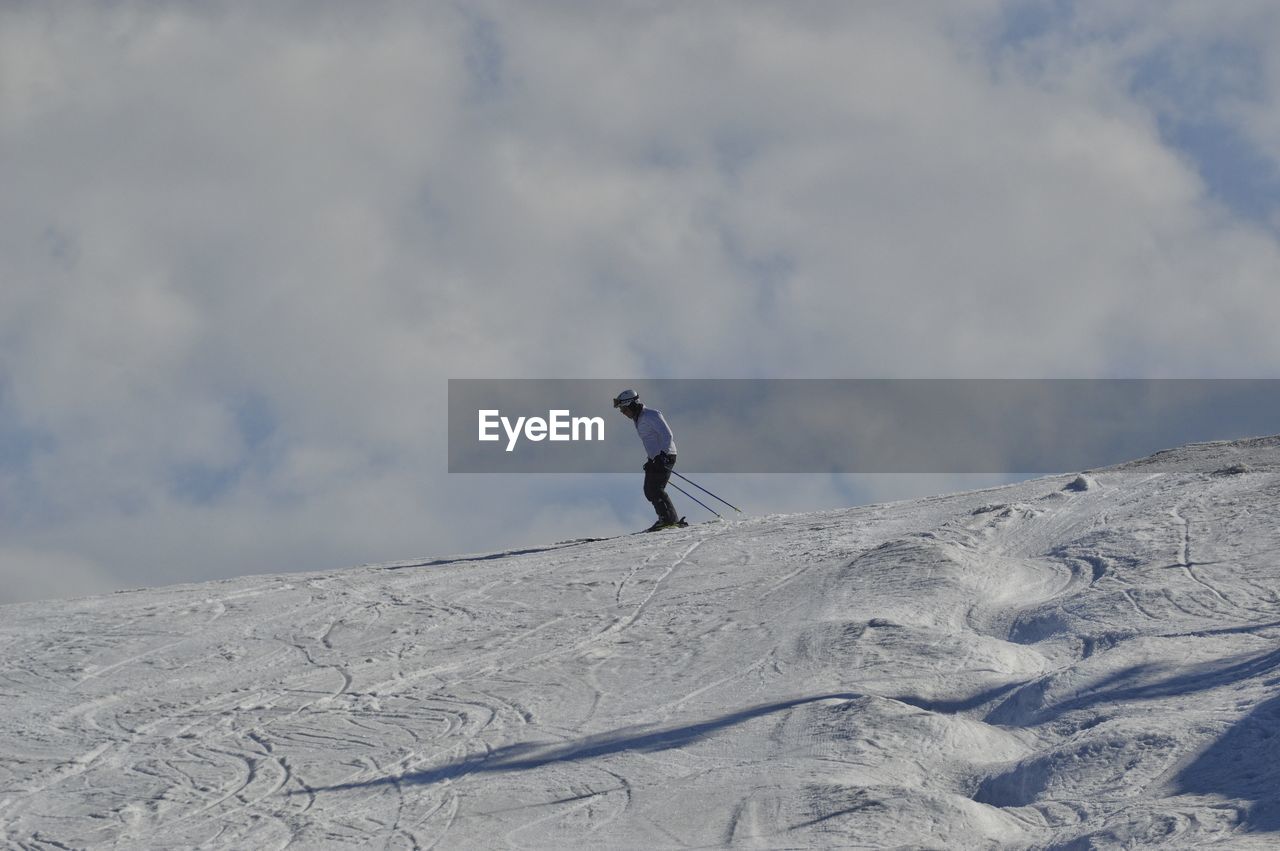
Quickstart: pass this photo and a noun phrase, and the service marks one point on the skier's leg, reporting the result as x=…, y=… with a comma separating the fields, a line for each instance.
x=669, y=506
x=654, y=482
x=667, y=509
x=657, y=474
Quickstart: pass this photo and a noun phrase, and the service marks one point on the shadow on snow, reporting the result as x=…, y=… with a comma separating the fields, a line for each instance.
x=525, y=756
x=487, y=556
x=1026, y=708
x=1243, y=764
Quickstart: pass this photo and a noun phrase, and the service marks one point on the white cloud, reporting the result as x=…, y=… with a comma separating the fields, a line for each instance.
x=40, y=574
x=327, y=212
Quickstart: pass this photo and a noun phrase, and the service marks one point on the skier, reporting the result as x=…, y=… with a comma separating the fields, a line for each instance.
x=661, y=448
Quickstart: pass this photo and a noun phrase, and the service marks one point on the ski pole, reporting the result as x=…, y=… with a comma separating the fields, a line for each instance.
x=694, y=498
x=704, y=490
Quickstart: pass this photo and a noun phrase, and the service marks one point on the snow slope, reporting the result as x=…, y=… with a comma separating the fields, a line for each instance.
x=1067, y=662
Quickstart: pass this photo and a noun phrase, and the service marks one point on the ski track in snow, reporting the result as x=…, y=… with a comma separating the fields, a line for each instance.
x=1062, y=663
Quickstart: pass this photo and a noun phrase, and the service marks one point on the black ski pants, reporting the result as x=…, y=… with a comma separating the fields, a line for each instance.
x=657, y=472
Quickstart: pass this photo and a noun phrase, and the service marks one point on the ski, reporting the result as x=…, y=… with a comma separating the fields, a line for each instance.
x=658, y=527
x=683, y=523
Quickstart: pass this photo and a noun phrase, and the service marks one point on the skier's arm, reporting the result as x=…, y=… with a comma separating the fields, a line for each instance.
x=663, y=433
x=655, y=433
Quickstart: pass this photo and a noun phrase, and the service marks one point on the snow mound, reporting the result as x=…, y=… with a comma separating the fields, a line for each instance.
x=1024, y=666
x=1080, y=484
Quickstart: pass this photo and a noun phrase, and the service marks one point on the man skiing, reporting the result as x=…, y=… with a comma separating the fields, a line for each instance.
x=661, y=449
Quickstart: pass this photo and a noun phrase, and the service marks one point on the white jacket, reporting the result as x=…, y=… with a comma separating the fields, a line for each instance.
x=654, y=432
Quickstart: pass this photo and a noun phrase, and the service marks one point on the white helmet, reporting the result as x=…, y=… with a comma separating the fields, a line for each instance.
x=626, y=398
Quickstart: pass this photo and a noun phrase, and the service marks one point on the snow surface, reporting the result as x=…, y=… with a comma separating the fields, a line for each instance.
x=1075, y=661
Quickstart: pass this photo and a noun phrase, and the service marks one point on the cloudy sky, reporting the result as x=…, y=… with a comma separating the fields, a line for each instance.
x=243, y=246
